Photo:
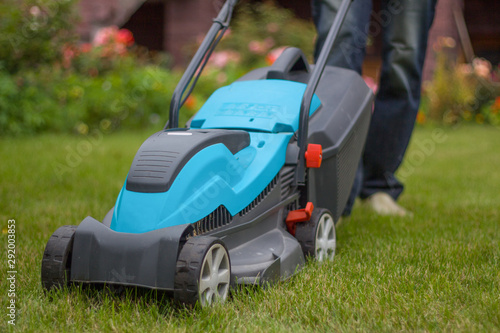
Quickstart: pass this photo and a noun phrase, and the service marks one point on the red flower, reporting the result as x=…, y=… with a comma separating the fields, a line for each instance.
x=112, y=41
x=124, y=36
x=495, y=107
x=191, y=102
x=420, y=117
x=86, y=47
x=273, y=55
x=497, y=102
x=69, y=53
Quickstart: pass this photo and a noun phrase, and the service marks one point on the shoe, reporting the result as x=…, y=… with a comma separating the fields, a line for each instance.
x=383, y=204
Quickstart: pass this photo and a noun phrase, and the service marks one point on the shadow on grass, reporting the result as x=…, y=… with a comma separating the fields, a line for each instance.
x=107, y=297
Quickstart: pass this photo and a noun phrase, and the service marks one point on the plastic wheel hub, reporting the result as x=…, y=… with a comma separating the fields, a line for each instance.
x=215, y=275
x=203, y=272
x=317, y=236
x=325, y=238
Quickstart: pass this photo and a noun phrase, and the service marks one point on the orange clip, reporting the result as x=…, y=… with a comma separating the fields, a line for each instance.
x=314, y=155
x=299, y=215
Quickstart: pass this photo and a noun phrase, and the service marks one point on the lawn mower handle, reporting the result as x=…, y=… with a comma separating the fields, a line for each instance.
x=205, y=50
x=199, y=61
x=312, y=84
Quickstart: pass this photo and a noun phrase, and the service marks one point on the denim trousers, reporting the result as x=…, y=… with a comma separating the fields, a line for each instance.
x=404, y=27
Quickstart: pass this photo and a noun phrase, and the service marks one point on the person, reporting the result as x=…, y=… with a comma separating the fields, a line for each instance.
x=404, y=25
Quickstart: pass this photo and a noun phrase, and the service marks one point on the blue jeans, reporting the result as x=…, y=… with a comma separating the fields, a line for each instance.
x=404, y=25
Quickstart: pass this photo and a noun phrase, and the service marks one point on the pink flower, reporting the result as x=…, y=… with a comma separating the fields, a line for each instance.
x=482, y=67
x=257, y=47
x=222, y=58
x=113, y=41
x=272, y=27
x=219, y=59
x=104, y=35
x=261, y=47
x=465, y=69
x=268, y=43
x=35, y=11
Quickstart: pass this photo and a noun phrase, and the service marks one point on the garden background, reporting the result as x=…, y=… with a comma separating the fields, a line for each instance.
x=73, y=115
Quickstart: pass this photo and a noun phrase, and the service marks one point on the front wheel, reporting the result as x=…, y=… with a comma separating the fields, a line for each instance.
x=56, y=262
x=203, y=272
x=317, y=236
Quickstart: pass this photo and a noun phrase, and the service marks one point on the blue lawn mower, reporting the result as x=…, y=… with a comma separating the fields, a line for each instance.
x=252, y=186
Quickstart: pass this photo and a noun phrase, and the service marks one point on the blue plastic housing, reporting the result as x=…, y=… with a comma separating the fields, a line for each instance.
x=269, y=110
x=262, y=105
x=213, y=177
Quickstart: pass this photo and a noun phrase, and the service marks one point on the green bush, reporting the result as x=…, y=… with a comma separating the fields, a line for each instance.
x=461, y=92
x=48, y=82
x=450, y=92
x=51, y=99
x=33, y=32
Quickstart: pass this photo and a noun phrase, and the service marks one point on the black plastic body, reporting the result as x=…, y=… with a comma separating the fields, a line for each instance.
x=162, y=156
x=340, y=125
x=101, y=255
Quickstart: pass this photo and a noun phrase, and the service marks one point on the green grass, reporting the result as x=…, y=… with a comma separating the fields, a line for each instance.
x=437, y=271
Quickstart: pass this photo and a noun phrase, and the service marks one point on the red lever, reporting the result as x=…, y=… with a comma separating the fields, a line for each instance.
x=314, y=155
x=299, y=215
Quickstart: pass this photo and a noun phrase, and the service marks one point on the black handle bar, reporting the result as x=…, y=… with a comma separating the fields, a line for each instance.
x=203, y=53
x=199, y=61
x=312, y=84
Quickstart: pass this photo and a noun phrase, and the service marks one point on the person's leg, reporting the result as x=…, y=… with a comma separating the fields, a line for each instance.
x=349, y=49
x=398, y=97
x=347, y=52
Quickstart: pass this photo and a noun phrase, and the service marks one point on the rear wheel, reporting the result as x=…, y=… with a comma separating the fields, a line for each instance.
x=203, y=272
x=317, y=236
x=56, y=262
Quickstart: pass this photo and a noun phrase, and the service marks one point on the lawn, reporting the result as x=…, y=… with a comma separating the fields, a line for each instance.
x=436, y=271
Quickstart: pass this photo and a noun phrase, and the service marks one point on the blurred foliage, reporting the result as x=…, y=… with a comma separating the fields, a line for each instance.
x=259, y=32
x=51, y=82
x=32, y=32
x=52, y=99
x=261, y=27
x=461, y=92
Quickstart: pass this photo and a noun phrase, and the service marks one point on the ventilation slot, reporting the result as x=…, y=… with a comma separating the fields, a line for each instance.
x=153, y=164
x=216, y=219
x=261, y=196
x=286, y=177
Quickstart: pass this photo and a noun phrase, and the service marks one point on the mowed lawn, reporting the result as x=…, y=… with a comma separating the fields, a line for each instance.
x=437, y=271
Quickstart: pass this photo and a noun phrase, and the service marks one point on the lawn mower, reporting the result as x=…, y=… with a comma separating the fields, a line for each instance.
x=251, y=187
